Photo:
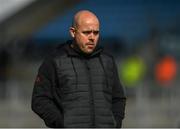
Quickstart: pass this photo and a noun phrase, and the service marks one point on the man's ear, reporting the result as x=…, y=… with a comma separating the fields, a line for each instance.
x=72, y=31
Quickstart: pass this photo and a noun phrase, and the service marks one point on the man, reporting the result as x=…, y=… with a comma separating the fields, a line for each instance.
x=78, y=85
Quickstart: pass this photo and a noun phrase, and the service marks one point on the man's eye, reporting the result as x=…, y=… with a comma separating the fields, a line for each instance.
x=86, y=32
x=89, y=32
x=96, y=32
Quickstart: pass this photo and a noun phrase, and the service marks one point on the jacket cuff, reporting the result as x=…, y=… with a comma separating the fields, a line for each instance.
x=118, y=121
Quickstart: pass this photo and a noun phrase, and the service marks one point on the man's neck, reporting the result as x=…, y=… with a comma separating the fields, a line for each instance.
x=77, y=49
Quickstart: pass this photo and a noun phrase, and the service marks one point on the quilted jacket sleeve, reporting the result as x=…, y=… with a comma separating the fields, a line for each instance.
x=118, y=99
x=43, y=103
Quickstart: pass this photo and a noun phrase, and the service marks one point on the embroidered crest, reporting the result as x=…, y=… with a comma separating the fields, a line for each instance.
x=38, y=79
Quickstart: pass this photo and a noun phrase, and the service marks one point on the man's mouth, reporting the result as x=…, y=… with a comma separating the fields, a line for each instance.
x=90, y=45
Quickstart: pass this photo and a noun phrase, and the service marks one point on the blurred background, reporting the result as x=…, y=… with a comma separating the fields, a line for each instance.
x=143, y=35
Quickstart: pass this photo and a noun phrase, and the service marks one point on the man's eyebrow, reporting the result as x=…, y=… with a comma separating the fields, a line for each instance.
x=90, y=30
x=87, y=31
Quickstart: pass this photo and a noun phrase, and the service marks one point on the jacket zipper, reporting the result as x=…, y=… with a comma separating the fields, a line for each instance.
x=91, y=94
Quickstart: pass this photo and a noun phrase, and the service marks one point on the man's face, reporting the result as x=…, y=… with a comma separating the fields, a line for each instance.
x=86, y=35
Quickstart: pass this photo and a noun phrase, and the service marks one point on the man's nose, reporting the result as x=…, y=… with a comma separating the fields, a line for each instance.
x=91, y=37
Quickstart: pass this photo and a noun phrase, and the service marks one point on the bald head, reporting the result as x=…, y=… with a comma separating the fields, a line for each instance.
x=85, y=31
x=84, y=16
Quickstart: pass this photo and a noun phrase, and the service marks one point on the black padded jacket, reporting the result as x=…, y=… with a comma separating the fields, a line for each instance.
x=77, y=90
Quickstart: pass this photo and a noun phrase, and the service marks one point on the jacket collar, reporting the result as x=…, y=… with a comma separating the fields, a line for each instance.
x=75, y=51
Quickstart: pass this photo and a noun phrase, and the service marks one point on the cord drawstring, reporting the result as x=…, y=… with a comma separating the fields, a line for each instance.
x=75, y=72
x=106, y=77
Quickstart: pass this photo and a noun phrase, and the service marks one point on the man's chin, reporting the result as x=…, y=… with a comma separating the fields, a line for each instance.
x=89, y=51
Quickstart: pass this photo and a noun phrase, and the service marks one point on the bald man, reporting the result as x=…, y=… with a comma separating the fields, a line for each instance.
x=77, y=85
